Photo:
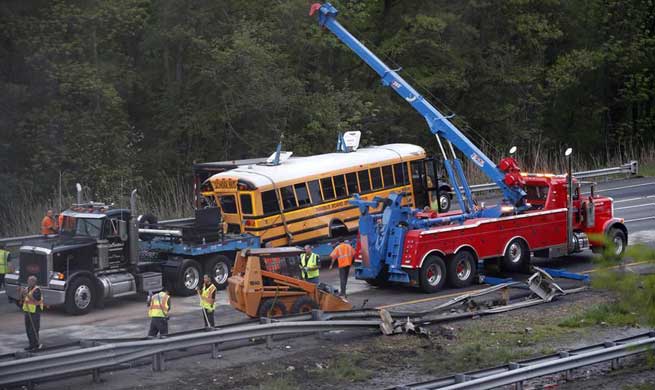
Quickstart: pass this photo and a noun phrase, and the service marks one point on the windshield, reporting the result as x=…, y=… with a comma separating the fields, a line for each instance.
x=90, y=227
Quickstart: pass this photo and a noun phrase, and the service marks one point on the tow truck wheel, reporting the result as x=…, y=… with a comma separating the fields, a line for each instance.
x=461, y=269
x=189, y=278
x=272, y=308
x=444, y=202
x=218, y=268
x=433, y=274
x=80, y=296
x=617, y=238
x=517, y=256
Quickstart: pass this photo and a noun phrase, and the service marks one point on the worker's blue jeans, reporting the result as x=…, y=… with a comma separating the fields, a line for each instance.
x=312, y=280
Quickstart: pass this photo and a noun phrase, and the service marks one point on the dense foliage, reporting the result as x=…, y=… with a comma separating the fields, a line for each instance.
x=118, y=92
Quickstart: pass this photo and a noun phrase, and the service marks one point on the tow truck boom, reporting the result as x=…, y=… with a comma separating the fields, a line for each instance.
x=506, y=176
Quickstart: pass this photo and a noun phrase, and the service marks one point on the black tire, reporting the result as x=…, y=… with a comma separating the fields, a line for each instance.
x=618, y=239
x=80, y=296
x=516, y=257
x=444, y=201
x=432, y=275
x=189, y=278
x=219, y=269
x=380, y=281
x=461, y=269
x=303, y=304
x=272, y=308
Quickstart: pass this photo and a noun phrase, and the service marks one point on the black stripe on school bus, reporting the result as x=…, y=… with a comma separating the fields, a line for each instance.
x=290, y=221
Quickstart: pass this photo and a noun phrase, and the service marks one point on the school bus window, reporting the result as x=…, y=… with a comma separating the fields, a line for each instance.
x=400, y=170
x=340, y=186
x=387, y=175
x=288, y=198
x=228, y=204
x=246, y=203
x=328, y=190
x=269, y=202
x=315, y=191
x=376, y=178
x=364, y=181
x=351, y=183
x=301, y=194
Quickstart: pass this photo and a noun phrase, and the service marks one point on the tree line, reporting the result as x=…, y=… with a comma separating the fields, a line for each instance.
x=116, y=93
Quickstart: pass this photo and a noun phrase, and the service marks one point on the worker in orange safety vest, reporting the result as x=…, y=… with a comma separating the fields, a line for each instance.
x=48, y=224
x=343, y=254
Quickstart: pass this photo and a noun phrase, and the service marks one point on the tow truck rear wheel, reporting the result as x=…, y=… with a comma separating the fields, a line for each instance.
x=219, y=269
x=189, y=278
x=432, y=275
x=80, y=296
x=516, y=257
x=461, y=269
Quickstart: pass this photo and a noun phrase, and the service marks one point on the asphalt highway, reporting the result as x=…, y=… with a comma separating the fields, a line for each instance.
x=634, y=201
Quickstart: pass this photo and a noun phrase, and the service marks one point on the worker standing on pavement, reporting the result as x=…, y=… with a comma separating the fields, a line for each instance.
x=208, y=301
x=32, y=300
x=344, y=254
x=159, y=307
x=309, y=265
x=48, y=224
x=4, y=260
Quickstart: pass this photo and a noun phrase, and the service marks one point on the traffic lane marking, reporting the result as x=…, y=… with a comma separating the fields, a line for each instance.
x=633, y=199
x=638, y=219
x=632, y=207
x=622, y=187
x=617, y=266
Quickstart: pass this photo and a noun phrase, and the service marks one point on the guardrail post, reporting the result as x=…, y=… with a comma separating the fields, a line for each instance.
x=568, y=374
x=96, y=375
x=514, y=366
x=269, y=338
x=158, y=363
x=317, y=315
x=216, y=350
x=459, y=378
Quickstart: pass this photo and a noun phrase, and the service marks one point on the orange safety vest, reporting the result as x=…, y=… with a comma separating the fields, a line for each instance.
x=344, y=253
x=30, y=304
x=48, y=225
x=206, y=300
x=158, y=305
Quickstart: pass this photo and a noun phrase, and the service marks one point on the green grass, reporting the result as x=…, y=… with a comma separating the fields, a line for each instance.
x=280, y=383
x=647, y=169
x=609, y=313
x=347, y=367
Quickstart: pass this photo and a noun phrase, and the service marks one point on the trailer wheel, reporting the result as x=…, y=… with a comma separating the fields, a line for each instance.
x=517, y=256
x=303, y=304
x=433, y=274
x=219, y=270
x=618, y=240
x=272, y=308
x=80, y=296
x=188, y=278
x=461, y=269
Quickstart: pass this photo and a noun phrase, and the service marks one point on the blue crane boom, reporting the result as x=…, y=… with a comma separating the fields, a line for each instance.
x=438, y=123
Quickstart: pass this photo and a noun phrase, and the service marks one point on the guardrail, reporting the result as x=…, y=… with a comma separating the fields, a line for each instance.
x=631, y=168
x=564, y=361
x=94, y=358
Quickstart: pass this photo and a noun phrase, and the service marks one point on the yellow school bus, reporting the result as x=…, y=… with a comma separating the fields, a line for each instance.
x=304, y=199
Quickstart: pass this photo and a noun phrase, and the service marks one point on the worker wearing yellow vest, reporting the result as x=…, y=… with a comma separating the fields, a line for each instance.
x=208, y=300
x=4, y=259
x=309, y=265
x=159, y=307
x=32, y=300
x=344, y=254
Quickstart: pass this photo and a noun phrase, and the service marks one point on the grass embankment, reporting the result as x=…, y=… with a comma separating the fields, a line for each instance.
x=464, y=346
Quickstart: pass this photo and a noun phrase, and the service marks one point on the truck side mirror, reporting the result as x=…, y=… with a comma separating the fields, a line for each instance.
x=122, y=230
